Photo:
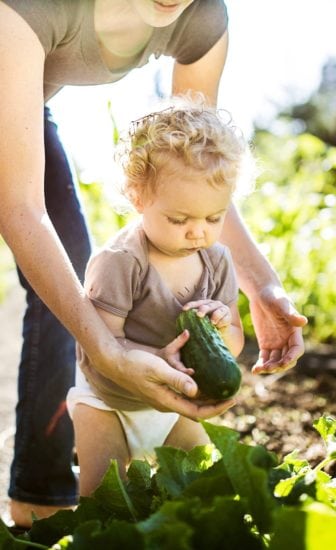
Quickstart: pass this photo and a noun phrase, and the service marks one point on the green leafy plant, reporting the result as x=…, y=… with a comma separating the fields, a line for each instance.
x=292, y=215
x=222, y=496
x=104, y=221
x=7, y=269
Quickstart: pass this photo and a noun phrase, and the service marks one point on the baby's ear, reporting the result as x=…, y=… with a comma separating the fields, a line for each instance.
x=138, y=203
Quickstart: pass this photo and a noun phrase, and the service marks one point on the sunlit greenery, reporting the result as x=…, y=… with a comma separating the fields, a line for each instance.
x=103, y=219
x=292, y=214
x=7, y=266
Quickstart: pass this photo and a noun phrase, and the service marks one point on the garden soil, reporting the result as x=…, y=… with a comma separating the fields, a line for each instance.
x=276, y=411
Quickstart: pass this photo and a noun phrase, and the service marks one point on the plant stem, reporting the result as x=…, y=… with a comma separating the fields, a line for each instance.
x=32, y=544
x=322, y=464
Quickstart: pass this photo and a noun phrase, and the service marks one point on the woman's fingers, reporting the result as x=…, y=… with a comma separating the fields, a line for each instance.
x=166, y=388
x=278, y=360
x=192, y=408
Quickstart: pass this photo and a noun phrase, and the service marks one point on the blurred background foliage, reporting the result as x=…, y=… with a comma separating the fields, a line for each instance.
x=291, y=213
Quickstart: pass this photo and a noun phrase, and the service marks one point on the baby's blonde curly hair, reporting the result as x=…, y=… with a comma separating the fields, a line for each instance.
x=190, y=132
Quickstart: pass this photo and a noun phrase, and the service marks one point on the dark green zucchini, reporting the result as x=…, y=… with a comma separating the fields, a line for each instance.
x=216, y=372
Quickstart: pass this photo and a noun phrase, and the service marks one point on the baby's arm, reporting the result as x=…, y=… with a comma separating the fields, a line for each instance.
x=116, y=325
x=225, y=318
x=170, y=353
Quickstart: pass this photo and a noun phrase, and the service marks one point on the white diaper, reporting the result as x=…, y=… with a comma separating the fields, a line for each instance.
x=144, y=429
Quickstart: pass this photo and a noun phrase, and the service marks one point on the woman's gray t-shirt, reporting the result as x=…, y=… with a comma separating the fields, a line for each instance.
x=66, y=31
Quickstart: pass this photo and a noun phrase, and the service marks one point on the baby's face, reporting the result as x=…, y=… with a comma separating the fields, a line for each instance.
x=186, y=213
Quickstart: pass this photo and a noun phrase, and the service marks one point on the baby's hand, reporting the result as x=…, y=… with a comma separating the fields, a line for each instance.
x=171, y=353
x=219, y=313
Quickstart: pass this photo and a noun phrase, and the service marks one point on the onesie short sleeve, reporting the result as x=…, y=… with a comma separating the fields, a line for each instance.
x=112, y=280
x=200, y=26
x=223, y=275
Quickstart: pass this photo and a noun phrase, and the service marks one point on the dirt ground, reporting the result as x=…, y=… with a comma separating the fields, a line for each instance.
x=276, y=411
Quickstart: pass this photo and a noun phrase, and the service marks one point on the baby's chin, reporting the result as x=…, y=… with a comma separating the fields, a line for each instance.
x=183, y=253
x=175, y=252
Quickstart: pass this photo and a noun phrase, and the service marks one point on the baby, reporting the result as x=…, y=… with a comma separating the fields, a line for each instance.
x=181, y=167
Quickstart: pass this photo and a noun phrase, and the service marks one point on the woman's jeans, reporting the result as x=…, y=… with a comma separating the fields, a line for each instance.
x=41, y=471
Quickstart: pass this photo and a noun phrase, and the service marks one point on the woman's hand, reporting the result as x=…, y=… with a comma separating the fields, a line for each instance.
x=219, y=314
x=278, y=328
x=166, y=389
x=157, y=377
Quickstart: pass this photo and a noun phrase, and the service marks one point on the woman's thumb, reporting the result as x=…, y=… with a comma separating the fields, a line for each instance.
x=295, y=318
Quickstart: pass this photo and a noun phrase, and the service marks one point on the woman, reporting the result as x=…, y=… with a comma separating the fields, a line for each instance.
x=45, y=45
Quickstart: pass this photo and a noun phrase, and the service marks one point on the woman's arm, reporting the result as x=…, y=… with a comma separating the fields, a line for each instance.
x=276, y=322
x=203, y=75
x=26, y=227
x=24, y=222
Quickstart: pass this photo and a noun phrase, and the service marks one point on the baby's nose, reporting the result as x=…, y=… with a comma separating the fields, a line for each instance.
x=195, y=233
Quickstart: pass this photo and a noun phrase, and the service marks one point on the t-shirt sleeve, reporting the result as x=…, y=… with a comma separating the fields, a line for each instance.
x=51, y=20
x=200, y=26
x=112, y=281
x=225, y=278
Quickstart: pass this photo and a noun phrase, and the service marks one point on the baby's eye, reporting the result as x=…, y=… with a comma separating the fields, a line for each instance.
x=176, y=221
x=214, y=220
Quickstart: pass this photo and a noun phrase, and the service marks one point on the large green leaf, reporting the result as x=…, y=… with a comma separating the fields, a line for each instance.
x=118, y=534
x=211, y=483
x=112, y=495
x=190, y=525
x=307, y=528
x=326, y=426
x=140, y=487
x=64, y=522
x=10, y=542
x=164, y=530
x=249, y=470
x=178, y=468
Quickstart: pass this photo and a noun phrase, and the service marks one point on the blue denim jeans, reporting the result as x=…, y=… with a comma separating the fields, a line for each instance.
x=41, y=471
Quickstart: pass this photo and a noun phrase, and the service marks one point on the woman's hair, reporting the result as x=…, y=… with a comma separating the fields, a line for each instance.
x=188, y=132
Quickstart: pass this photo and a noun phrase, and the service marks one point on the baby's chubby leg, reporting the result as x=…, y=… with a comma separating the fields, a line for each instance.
x=99, y=438
x=187, y=434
